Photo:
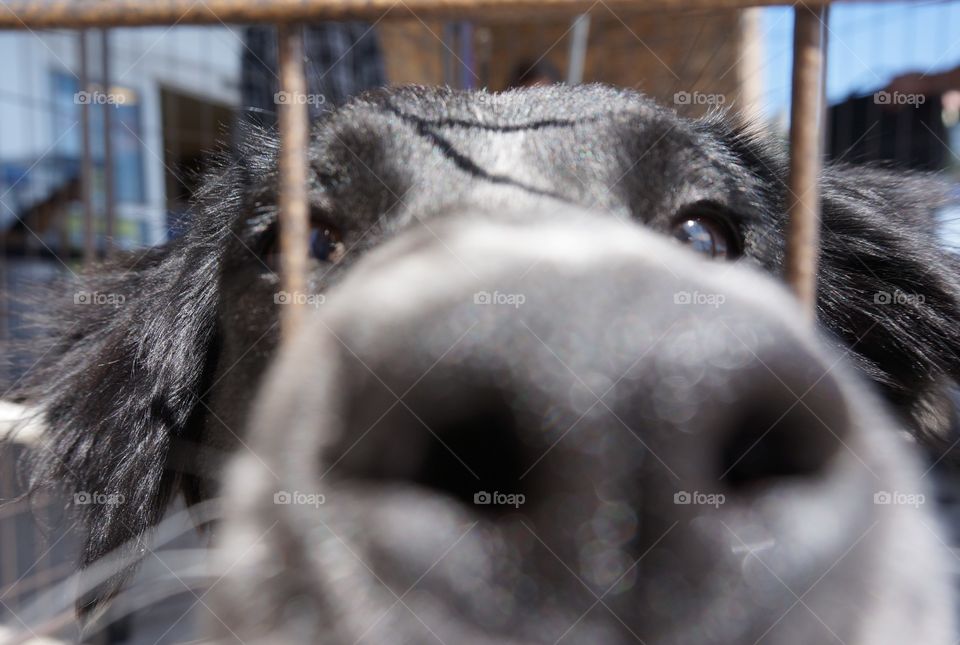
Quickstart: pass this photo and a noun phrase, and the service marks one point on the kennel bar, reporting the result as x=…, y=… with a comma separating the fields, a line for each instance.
x=294, y=123
x=86, y=166
x=75, y=14
x=806, y=155
x=805, y=130
x=109, y=206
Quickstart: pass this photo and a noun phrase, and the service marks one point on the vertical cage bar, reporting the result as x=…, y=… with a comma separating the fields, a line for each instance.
x=806, y=156
x=109, y=208
x=577, y=54
x=467, y=55
x=294, y=131
x=449, y=41
x=86, y=161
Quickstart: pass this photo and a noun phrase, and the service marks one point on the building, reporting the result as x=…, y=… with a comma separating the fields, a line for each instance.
x=170, y=97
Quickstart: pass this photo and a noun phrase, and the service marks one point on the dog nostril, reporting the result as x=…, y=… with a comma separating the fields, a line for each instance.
x=781, y=436
x=459, y=441
x=476, y=452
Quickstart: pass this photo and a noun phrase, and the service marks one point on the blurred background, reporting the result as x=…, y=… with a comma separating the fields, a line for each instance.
x=141, y=110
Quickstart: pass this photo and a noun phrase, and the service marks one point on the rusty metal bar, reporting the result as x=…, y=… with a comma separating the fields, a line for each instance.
x=294, y=126
x=48, y=14
x=806, y=156
x=109, y=199
x=84, y=98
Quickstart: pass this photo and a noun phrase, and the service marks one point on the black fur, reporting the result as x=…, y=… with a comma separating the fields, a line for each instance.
x=145, y=398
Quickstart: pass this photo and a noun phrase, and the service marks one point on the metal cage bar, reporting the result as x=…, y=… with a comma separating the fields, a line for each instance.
x=109, y=205
x=294, y=134
x=806, y=156
x=74, y=14
x=86, y=164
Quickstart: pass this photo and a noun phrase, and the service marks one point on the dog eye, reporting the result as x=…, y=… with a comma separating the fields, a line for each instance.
x=706, y=235
x=326, y=244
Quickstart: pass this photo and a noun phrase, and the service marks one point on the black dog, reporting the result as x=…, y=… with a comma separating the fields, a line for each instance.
x=510, y=316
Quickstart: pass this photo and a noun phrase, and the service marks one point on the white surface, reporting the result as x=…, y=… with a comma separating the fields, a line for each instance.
x=20, y=420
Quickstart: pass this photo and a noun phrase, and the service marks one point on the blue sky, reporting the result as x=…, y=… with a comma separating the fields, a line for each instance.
x=869, y=43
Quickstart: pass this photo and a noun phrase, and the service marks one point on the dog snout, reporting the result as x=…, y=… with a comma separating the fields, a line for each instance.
x=498, y=404
x=497, y=353
x=592, y=405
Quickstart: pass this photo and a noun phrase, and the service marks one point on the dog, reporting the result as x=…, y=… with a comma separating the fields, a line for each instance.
x=551, y=386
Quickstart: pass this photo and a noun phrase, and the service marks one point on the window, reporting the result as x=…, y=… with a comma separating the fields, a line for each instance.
x=128, y=171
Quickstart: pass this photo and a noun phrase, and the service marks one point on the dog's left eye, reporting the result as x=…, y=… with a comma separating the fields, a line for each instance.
x=706, y=235
x=325, y=244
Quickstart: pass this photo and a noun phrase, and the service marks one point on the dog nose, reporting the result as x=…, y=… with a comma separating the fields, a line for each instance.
x=558, y=415
x=505, y=373
x=493, y=364
x=497, y=404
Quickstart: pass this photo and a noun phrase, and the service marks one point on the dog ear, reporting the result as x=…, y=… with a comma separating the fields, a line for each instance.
x=132, y=347
x=888, y=287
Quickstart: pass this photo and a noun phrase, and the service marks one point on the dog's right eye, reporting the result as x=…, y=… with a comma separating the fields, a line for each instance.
x=707, y=233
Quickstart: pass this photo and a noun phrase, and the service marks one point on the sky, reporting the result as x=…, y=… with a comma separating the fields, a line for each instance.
x=869, y=43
